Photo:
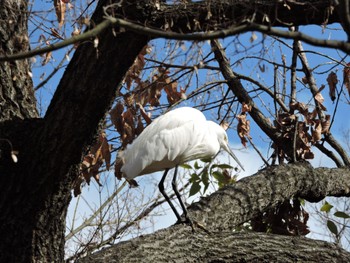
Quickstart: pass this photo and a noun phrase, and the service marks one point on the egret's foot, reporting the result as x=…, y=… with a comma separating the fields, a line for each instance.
x=200, y=226
x=192, y=224
x=185, y=221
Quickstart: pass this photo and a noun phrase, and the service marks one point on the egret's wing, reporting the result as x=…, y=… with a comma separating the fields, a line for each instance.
x=162, y=143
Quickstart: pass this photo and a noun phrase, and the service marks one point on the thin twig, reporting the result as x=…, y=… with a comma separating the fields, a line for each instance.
x=257, y=150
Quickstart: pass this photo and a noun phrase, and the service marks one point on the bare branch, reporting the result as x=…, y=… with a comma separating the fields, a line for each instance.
x=69, y=41
x=243, y=201
x=236, y=87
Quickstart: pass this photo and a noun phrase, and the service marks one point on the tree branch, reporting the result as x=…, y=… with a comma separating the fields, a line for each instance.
x=238, y=203
x=88, y=35
x=221, y=246
x=243, y=97
x=224, y=210
x=248, y=21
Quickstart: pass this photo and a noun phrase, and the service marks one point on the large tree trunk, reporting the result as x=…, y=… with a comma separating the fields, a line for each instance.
x=17, y=99
x=35, y=192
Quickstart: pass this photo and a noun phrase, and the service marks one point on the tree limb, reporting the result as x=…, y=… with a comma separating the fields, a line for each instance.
x=221, y=212
x=239, y=17
x=238, y=90
x=180, y=244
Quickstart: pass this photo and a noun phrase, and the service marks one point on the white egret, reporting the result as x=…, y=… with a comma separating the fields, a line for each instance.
x=178, y=136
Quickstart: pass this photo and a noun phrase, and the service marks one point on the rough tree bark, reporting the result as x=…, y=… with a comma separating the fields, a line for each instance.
x=221, y=212
x=35, y=192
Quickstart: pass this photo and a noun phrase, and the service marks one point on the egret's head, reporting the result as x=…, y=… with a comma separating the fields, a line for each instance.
x=223, y=141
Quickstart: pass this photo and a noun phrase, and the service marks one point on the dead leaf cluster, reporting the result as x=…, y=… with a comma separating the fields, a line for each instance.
x=150, y=91
x=243, y=126
x=302, y=132
x=129, y=115
x=288, y=123
x=90, y=167
x=128, y=120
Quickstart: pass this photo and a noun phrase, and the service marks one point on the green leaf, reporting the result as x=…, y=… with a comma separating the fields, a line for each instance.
x=195, y=188
x=197, y=166
x=326, y=207
x=341, y=214
x=224, y=166
x=186, y=166
x=302, y=201
x=206, y=160
x=219, y=176
x=194, y=178
x=332, y=227
x=205, y=180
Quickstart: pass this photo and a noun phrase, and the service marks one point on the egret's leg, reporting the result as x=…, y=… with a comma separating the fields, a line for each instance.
x=161, y=189
x=174, y=185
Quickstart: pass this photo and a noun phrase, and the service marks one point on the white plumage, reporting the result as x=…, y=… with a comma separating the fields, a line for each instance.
x=178, y=136
x=174, y=138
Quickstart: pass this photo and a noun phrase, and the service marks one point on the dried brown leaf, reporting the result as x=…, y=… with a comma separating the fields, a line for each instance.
x=301, y=107
x=142, y=93
x=145, y=116
x=128, y=126
x=47, y=58
x=87, y=162
x=311, y=116
x=308, y=155
x=129, y=99
x=55, y=33
x=106, y=151
x=319, y=97
x=317, y=132
x=305, y=80
x=117, y=168
x=60, y=8
x=77, y=185
x=326, y=124
x=243, y=128
x=253, y=37
x=117, y=117
x=173, y=95
x=128, y=134
x=154, y=94
x=246, y=107
x=139, y=127
x=135, y=70
x=346, y=76
x=332, y=80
